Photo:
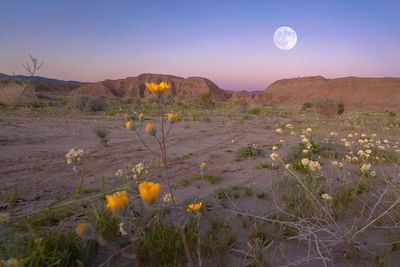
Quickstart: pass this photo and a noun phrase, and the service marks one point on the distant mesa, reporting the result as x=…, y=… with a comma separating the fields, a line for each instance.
x=357, y=93
x=134, y=87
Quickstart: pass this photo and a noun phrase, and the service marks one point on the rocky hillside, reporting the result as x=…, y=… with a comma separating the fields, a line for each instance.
x=44, y=86
x=378, y=94
x=353, y=92
x=134, y=87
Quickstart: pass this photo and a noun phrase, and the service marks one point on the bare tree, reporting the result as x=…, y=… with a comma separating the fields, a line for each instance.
x=32, y=67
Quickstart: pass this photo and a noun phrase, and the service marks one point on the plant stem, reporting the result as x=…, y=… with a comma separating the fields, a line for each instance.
x=165, y=165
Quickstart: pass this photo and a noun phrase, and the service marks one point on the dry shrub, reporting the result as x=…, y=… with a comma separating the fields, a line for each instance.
x=88, y=103
x=326, y=107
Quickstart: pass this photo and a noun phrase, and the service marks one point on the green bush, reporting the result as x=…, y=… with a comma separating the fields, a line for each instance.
x=51, y=248
x=340, y=108
x=249, y=151
x=88, y=103
x=219, y=239
x=102, y=134
x=161, y=243
x=307, y=106
x=255, y=110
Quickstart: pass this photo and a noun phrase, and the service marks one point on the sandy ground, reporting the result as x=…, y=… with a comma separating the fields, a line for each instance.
x=32, y=161
x=32, y=156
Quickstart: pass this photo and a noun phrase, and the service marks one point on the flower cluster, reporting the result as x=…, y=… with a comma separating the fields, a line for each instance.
x=74, y=155
x=138, y=170
x=326, y=197
x=335, y=163
x=274, y=156
x=311, y=164
x=366, y=170
x=289, y=126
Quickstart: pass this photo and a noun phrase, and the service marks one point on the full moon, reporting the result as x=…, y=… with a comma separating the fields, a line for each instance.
x=285, y=38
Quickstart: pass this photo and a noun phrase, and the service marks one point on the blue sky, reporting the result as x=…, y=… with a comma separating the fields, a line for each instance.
x=229, y=42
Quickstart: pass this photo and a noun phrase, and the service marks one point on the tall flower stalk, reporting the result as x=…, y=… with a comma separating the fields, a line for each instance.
x=159, y=92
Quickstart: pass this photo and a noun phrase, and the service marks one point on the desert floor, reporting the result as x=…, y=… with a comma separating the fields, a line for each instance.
x=34, y=175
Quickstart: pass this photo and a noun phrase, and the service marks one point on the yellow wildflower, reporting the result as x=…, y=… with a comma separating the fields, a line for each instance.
x=149, y=191
x=158, y=88
x=128, y=124
x=203, y=166
x=194, y=207
x=141, y=116
x=172, y=117
x=117, y=201
x=84, y=230
x=150, y=129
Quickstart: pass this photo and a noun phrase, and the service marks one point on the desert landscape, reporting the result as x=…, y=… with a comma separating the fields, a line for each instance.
x=281, y=182
x=199, y=133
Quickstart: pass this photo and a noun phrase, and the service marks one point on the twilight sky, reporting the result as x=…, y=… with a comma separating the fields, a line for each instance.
x=229, y=42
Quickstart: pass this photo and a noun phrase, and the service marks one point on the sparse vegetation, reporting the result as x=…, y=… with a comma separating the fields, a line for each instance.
x=249, y=151
x=332, y=181
x=88, y=103
x=102, y=134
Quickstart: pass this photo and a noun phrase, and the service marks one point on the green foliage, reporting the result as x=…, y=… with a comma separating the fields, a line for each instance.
x=212, y=179
x=255, y=110
x=219, y=239
x=340, y=108
x=296, y=154
x=105, y=223
x=88, y=103
x=102, y=134
x=342, y=198
x=249, y=151
x=38, y=220
x=38, y=104
x=391, y=114
x=307, y=106
x=232, y=192
x=50, y=248
x=299, y=202
x=261, y=195
x=11, y=196
x=161, y=243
